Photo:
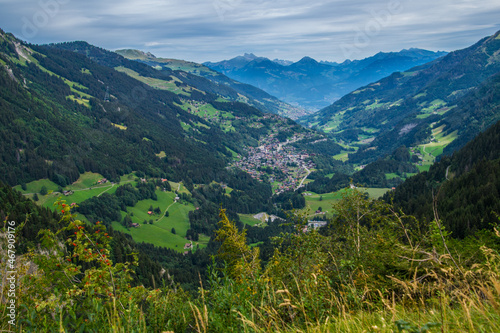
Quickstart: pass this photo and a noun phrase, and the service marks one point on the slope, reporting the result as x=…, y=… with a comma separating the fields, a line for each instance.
x=245, y=92
x=465, y=187
x=63, y=114
x=403, y=108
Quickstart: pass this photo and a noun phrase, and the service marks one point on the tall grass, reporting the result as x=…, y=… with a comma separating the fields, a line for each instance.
x=308, y=285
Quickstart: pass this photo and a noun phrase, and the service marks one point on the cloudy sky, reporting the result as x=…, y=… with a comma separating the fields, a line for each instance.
x=212, y=30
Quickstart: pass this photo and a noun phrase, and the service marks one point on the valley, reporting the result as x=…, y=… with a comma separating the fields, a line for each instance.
x=314, y=85
x=338, y=172
x=278, y=163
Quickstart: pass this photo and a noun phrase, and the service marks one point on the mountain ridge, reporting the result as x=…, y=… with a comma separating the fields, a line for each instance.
x=320, y=82
x=418, y=97
x=255, y=96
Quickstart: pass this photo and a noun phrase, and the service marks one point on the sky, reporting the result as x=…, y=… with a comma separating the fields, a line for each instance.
x=213, y=30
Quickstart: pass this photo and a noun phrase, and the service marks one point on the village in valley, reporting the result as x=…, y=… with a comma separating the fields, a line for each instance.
x=280, y=163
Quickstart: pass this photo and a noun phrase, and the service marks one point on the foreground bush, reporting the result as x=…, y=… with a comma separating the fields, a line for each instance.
x=372, y=269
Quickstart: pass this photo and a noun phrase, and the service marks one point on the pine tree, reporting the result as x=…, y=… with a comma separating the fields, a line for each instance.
x=242, y=261
x=43, y=190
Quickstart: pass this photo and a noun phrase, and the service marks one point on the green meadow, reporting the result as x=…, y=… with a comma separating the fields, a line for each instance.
x=84, y=188
x=249, y=219
x=160, y=232
x=435, y=148
x=326, y=200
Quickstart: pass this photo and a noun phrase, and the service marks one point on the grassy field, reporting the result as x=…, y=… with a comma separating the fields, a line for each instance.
x=391, y=175
x=425, y=167
x=78, y=195
x=179, y=187
x=435, y=148
x=36, y=186
x=441, y=141
x=84, y=188
x=249, y=219
x=156, y=83
x=376, y=193
x=395, y=175
x=160, y=232
x=313, y=201
x=342, y=156
x=325, y=201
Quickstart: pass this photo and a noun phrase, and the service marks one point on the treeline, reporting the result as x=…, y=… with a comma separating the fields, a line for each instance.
x=106, y=208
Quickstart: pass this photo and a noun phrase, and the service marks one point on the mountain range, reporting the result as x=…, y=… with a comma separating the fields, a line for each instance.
x=312, y=84
x=245, y=92
x=456, y=95
x=73, y=107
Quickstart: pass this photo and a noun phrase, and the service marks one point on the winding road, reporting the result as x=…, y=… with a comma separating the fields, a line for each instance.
x=303, y=179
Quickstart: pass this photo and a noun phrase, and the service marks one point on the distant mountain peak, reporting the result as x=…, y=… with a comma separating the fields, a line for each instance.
x=283, y=62
x=250, y=56
x=135, y=54
x=306, y=60
x=313, y=84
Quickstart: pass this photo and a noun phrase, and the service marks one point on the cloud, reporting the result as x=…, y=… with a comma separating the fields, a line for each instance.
x=288, y=29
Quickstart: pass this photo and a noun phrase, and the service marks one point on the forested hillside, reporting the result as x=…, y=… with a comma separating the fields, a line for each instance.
x=463, y=190
x=59, y=115
x=457, y=90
